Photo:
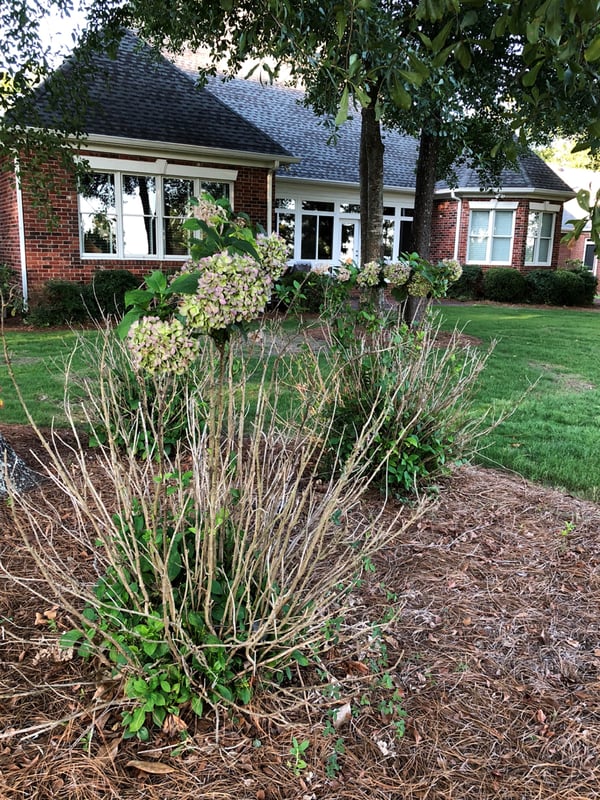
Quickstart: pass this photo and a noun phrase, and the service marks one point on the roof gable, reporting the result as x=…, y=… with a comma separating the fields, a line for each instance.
x=141, y=95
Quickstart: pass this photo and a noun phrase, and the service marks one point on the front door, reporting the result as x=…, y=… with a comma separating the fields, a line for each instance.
x=349, y=240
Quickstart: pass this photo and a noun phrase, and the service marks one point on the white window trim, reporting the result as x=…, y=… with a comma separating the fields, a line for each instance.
x=535, y=262
x=492, y=206
x=397, y=218
x=161, y=169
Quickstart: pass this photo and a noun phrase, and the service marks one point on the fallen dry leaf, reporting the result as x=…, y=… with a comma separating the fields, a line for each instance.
x=152, y=767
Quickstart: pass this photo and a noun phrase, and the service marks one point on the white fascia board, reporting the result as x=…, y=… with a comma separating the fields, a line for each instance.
x=475, y=193
x=141, y=147
x=295, y=181
x=159, y=166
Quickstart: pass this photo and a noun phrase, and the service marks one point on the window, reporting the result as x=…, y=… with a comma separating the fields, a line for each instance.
x=589, y=255
x=540, y=235
x=317, y=230
x=126, y=215
x=490, y=235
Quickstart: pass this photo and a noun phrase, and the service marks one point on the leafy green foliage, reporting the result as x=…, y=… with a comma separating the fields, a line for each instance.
x=61, y=302
x=561, y=287
x=106, y=291
x=397, y=379
x=504, y=285
x=469, y=286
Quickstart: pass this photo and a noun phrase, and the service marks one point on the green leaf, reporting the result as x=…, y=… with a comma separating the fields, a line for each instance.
x=342, y=114
x=70, y=638
x=157, y=281
x=127, y=321
x=530, y=77
x=340, y=23
x=197, y=705
x=463, y=55
x=400, y=97
x=469, y=19
x=300, y=658
x=186, y=283
x=592, y=53
x=137, y=720
x=416, y=78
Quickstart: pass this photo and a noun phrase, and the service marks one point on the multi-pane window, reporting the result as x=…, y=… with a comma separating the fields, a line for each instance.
x=132, y=216
x=491, y=236
x=317, y=230
x=540, y=234
x=321, y=230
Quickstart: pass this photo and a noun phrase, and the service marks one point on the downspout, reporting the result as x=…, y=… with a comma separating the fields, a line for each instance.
x=458, y=221
x=270, y=176
x=21, y=227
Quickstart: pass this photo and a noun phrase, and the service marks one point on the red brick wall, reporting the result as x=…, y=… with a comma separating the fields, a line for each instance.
x=443, y=230
x=55, y=252
x=9, y=223
x=443, y=242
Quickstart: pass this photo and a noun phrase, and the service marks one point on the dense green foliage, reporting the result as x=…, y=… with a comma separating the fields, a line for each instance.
x=504, y=285
x=469, y=286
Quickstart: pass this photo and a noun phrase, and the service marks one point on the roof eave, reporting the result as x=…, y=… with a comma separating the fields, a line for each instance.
x=217, y=155
x=524, y=192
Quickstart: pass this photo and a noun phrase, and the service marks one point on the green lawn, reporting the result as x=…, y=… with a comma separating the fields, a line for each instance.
x=553, y=434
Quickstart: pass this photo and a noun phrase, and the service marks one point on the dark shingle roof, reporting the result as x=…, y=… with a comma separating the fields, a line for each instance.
x=278, y=111
x=531, y=173
x=140, y=95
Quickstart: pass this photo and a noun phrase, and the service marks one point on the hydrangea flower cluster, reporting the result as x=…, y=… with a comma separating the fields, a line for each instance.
x=343, y=274
x=209, y=212
x=396, y=273
x=451, y=268
x=369, y=275
x=419, y=286
x=273, y=251
x=232, y=288
x=161, y=346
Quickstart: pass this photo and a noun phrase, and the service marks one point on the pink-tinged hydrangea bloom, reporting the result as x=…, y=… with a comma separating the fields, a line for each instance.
x=343, y=275
x=369, y=275
x=396, y=273
x=419, y=286
x=208, y=212
x=232, y=288
x=273, y=251
x=161, y=346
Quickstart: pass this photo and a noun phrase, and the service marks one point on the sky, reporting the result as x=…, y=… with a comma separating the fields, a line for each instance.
x=57, y=32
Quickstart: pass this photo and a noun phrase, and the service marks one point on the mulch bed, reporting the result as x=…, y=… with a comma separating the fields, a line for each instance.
x=496, y=652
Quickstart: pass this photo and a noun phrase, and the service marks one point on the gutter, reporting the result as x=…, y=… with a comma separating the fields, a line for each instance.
x=123, y=144
x=21, y=227
x=458, y=220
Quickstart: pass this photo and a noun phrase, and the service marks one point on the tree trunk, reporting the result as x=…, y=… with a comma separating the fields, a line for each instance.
x=424, y=194
x=371, y=186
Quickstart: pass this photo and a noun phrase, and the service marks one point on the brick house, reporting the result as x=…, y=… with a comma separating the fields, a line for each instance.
x=153, y=140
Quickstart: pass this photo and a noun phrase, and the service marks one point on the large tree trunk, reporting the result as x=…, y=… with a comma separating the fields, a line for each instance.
x=424, y=194
x=371, y=185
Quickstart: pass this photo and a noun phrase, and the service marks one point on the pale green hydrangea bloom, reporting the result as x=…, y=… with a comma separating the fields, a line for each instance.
x=161, y=346
x=452, y=268
x=419, y=286
x=232, y=288
x=273, y=251
x=211, y=213
x=369, y=275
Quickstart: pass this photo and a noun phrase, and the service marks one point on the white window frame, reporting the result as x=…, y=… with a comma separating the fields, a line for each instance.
x=541, y=208
x=160, y=168
x=402, y=213
x=492, y=207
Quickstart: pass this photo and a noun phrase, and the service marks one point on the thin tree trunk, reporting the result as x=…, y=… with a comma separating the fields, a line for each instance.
x=371, y=186
x=424, y=194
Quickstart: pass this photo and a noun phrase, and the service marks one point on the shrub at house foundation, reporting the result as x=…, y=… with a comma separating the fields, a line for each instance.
x=504, y=285
x=469, y=286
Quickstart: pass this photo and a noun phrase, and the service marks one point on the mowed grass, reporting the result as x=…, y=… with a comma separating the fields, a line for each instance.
x=38, y=362
x=552, y=435
x=544, y=373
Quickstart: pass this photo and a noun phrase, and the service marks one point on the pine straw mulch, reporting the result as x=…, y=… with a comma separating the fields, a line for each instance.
x=496, y=652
